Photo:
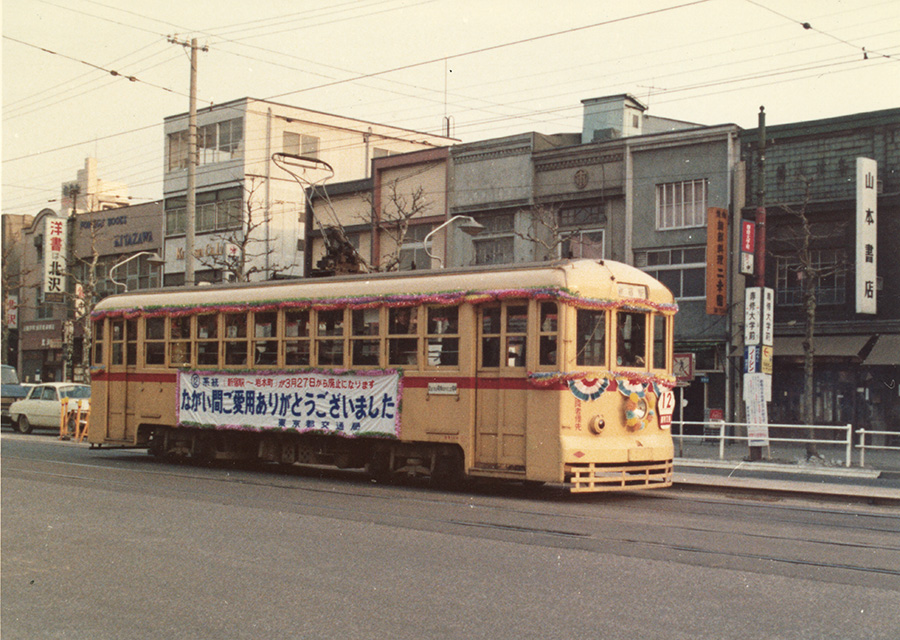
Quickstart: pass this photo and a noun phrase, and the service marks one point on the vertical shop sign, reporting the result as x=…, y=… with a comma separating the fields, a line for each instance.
x=55, y=255
x=866, y=235
x=716, y=261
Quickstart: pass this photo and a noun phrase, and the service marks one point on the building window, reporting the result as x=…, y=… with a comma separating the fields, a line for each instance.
x=584, y=244
x=681, y=204
x=832, y=285
x=683, y=271
x=495, y=244
x=291, y=143
x=412, y=251
x=216, y=142
x=214, y=211
x=309, y=146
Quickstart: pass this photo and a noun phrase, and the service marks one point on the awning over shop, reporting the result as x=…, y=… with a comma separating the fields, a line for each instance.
x=824, y=346
x=885, y=352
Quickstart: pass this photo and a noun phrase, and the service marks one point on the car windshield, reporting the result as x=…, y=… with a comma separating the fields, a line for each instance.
x=75, y=391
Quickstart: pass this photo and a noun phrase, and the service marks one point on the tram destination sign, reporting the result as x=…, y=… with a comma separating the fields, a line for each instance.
x=347, y=404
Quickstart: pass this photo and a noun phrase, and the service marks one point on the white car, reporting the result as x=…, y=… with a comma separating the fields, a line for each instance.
x=42, y=407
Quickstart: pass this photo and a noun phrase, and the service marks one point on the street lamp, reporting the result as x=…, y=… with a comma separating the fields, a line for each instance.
x=468, y=224
x=154, y=260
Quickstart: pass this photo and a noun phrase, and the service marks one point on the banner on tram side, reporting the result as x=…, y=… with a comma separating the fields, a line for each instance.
x=349, y=404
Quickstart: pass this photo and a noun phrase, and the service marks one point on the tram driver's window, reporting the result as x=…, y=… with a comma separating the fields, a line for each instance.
x=591, y=339
x=631, y=339
x=548, y=331
x=659, y=342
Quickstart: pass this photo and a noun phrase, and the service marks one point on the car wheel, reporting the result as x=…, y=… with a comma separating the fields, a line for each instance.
x=24, y=425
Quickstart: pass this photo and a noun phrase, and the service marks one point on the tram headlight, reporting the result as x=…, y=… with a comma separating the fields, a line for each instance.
x=596, y=425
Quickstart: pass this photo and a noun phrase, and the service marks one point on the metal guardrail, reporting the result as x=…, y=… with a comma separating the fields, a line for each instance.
x=862, y=446
x=720, y=426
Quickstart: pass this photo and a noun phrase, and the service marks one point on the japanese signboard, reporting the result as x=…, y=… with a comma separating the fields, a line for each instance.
x=716, y=261
x=759, y=316
x=12, y=311
x=748, y=246
x=54, y=255
x=757, y=412
x=866, y=235
x=343, y=404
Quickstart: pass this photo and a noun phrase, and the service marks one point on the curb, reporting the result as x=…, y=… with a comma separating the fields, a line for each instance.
x=776, y=467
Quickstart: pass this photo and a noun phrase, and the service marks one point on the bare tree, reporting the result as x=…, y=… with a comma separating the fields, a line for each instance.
x=799, y=240
x=550, y=236
x=245, y=249
x=395, y=218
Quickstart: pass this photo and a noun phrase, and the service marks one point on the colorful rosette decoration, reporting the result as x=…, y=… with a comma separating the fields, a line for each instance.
x=588, y=389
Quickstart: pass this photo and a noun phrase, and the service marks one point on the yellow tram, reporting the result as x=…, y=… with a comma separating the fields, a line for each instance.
x=554, y=372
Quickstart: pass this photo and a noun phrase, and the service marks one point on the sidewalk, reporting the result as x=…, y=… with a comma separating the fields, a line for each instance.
x=788, y=471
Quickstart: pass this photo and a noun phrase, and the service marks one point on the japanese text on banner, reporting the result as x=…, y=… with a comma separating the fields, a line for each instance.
x=344, y=404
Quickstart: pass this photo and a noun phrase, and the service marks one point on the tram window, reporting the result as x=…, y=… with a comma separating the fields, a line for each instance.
x=131, y=342
x=591, y=340
x=236, y=339
x=631, y=336
x=516, y=326
x=98, y=342
x=403, y=322
x=265, y=325
x=548, y=332
x=490, y=336
x=155, y=341
x=235, y=325
x=207, y=343
x=180, y=341
x=296, y=331
x=659, y=342
x=365, y=352
x=443, y=336
x=330, y=325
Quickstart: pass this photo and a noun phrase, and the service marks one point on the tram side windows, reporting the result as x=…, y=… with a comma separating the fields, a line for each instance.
x=265, y=343
x=442, y=338
x=591, y=339
x=403, y=336
x=631, y=339
x=208, y=340
x=490, y=336
x=330, y=337
x=548, y=331
x=659, y=342
x=180, y=341
x=155, y=342
x=98, y=339
x=131, y=337
x=296, y=338
x=516, y=333
x=365, y=344
x=236, y=339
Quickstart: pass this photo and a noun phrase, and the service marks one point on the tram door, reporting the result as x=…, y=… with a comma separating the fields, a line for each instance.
x=123, y=355
x=501, y=402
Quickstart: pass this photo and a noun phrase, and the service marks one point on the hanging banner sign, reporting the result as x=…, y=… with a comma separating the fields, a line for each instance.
x=360, y=404
x=748, y=246
x=55, y=255
x=716, y=261
x=753, y=316
x=866, y=235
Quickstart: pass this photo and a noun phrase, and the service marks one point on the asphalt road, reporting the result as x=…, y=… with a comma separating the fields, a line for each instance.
x=111, y=544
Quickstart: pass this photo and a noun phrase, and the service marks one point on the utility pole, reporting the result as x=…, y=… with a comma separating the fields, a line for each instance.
x=191, y=201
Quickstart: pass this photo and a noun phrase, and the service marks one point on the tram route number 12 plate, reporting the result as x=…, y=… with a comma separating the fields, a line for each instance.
x=666, y=407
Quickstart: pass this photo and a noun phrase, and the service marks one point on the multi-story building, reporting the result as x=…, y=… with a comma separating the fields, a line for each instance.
x=13, y=270
x=811, y=185
x=250, y=205
x=51, y=341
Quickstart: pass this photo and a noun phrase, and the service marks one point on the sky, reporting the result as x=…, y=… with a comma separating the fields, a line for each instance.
x=96, y=78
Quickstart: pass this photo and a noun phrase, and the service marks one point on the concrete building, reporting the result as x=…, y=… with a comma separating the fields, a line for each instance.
x=250, y=208
x=811, y=177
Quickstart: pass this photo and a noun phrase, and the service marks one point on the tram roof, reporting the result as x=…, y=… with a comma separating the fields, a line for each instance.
x=587, y=280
